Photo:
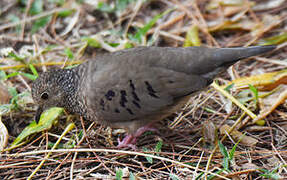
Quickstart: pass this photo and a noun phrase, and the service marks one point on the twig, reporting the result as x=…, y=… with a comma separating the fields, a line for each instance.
x=68, y=128
x=27, y=9
x=33, y=18
x=235, y=101
x=114, y=151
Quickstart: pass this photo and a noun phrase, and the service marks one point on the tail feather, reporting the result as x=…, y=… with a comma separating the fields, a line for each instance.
x=225, y=57
x=232, y=55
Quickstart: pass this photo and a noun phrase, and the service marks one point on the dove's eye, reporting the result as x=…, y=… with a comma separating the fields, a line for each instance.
x=44, y=96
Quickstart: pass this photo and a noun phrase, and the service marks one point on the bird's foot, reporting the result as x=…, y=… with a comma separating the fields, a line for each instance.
x=131, y=139
x=128, y=141
x=144, y=129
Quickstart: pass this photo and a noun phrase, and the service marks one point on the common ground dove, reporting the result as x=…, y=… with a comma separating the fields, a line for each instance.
x=133, y=88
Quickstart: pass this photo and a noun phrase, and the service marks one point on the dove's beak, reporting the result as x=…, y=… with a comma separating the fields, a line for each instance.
x=38, y=114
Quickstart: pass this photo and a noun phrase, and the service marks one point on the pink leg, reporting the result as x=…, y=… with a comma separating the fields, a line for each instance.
x=144, y=129
x=130, y=139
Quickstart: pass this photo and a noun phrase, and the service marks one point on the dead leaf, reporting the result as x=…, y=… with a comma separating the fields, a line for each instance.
x=3, y=135
x=249, y=166
x=277, y=39
x=192, y=38
x=271, y=102
x=210, y=132
x=4, y=94
x=273, y=84
x=246, y=25
x=271, y=4
x=263, y=82
x=72, y=22
x=273, y=161
x=231, y=10
x=267, y=22
x=237, y=135
x=214, y=4
x=258, y=128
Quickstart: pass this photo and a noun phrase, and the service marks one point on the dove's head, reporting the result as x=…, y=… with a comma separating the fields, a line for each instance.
x=53, y=89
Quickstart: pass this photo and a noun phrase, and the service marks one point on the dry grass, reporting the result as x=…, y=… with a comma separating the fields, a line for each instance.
x=188, y=138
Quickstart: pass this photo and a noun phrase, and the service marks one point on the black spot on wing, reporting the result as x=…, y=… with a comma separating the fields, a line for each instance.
x=133, y=91
x=150, y=90
x=132, y=85
x=123, y=92
x=130, y=111
x=135, y=96
x=123, y=98
x=109, y=95
x=102, y=104
x=117, y=110
x=136, y=104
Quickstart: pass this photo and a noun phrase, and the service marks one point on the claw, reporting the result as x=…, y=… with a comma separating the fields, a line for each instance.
x=128, y=141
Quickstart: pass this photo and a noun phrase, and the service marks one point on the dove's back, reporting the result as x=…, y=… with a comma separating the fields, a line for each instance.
x=189, y=60
x=134, y=87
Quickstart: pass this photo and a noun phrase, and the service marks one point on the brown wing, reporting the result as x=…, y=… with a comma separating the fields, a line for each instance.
x=141, y=83
x=135, y=92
